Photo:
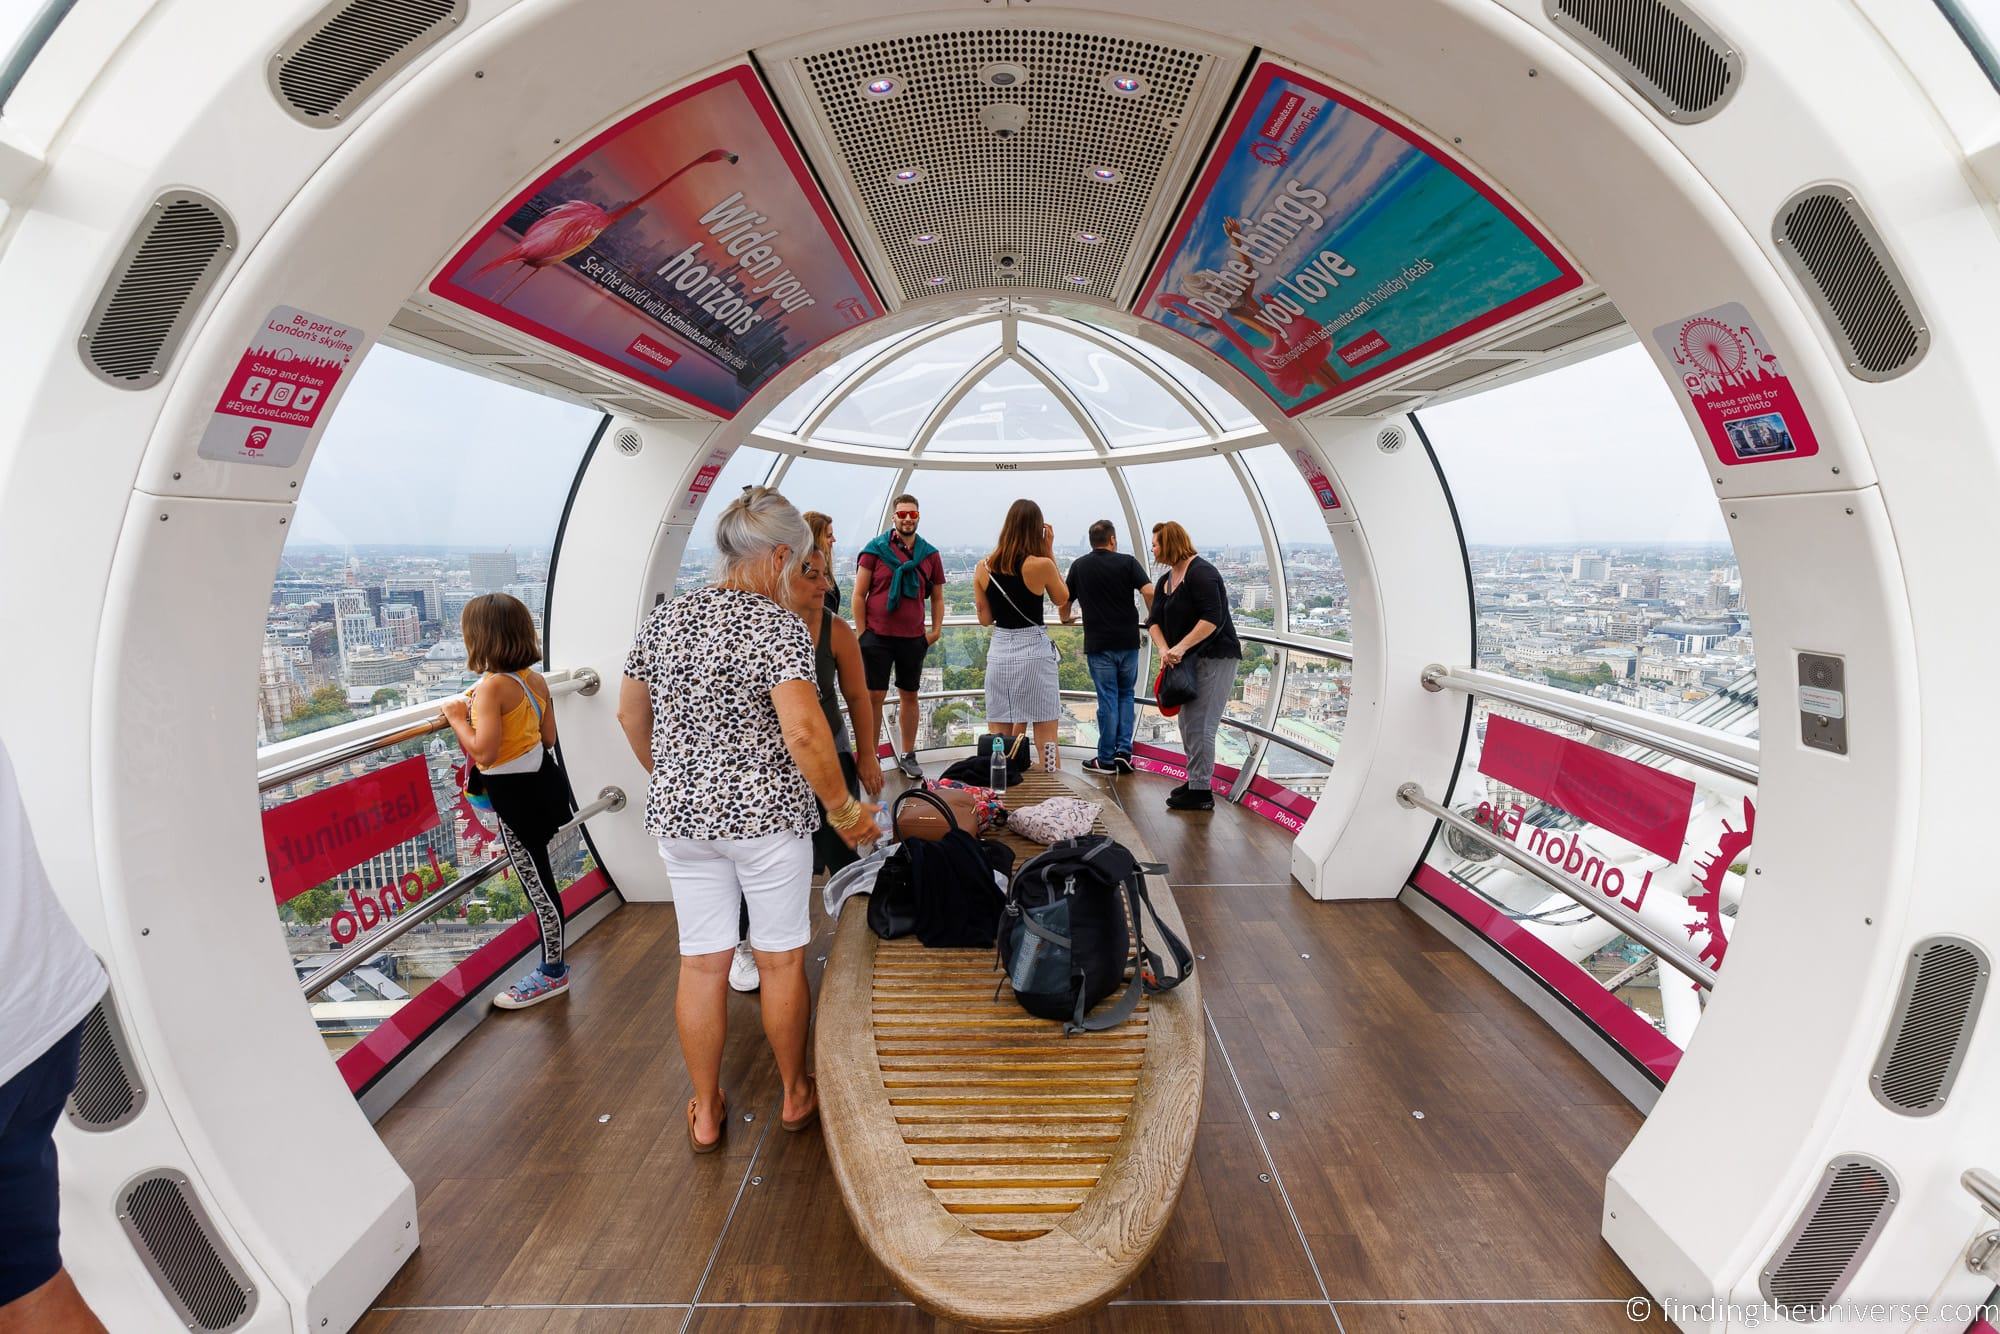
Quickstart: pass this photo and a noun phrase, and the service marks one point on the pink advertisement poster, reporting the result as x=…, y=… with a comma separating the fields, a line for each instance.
x=1737, y=387
x=1641, y=805
x=686, y=247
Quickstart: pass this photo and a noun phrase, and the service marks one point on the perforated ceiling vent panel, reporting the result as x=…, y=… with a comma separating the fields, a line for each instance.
x=1943, y=985
x=168, y=266
x=1832, y=1237
x=351, y=48
x=167, y=1225
x=1031, y=194
x=1835, y=250
x=1669, y=56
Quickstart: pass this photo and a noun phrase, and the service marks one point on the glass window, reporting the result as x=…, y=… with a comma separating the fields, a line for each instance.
x=1601, y=565
x=1224, y=406
x=798, y=405
x=1316, y=593
x=430, y=485
x=746, y=467
x=851, y=495
x=1128, y=405
x=1203, y=496
x=967, y=507
x=1976, y=21
x=1009, y=412
x=1600, y=560
x=886, y=410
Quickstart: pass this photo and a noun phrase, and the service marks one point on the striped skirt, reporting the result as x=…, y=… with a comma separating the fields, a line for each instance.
x=1021, y=682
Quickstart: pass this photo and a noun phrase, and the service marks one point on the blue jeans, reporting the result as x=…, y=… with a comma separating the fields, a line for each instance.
x=1115, y=673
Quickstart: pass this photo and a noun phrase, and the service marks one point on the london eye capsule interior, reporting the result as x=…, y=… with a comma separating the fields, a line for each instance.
x=1539, y=381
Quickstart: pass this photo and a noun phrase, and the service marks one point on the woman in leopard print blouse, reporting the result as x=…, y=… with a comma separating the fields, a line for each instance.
x=720, y=704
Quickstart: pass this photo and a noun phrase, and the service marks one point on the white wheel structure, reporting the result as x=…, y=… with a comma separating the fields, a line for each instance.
x=135, y=570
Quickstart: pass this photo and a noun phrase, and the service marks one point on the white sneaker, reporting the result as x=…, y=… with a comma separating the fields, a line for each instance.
x=743, y=969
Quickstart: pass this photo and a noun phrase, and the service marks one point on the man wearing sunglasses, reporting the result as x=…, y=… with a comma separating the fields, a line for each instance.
x=894, y=575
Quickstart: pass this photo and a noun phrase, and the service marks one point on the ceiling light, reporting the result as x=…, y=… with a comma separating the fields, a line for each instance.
x=1080, y=282
x=886, y=86
x=1090, y=238
x=1004, y=75
x=923, y=238
x=1124, y=85
x=1103, y=173
x=938, y=281
x=906, y=175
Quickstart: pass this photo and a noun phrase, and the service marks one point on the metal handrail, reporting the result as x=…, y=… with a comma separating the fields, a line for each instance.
x=1984, y=1187
x=1337, y=649
x=609, y=799
x=583, y=681
x=1669, y=951
x=1437, y=678
x=1289, y=743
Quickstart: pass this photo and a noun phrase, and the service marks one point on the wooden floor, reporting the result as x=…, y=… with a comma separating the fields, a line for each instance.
x=1389, y=1142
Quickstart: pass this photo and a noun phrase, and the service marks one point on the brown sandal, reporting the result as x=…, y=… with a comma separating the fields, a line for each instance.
x=720, y=1135
x=806, y=1121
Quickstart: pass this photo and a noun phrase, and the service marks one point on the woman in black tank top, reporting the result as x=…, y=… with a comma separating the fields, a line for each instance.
x=1008, y=587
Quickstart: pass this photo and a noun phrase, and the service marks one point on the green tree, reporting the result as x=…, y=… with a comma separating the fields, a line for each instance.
x=388, y=697
x=476, y=915
x=506, y=903
x=315, y=905
x=324, y=702
x=946, y=715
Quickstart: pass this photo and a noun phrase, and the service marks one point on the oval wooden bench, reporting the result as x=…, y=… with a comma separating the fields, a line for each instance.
x=1007, y=1177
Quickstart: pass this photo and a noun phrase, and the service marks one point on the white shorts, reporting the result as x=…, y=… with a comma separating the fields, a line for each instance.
x=713, y=878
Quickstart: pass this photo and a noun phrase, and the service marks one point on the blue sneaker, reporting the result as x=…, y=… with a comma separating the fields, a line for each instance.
x=533, y=989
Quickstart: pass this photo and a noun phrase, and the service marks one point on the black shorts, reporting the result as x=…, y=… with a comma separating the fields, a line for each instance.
x=904, y=653
x=30, y=1102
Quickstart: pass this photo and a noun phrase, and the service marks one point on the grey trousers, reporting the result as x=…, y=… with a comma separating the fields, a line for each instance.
x=1199, y=718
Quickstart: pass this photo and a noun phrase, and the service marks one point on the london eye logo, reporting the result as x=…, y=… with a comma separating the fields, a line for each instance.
x=1713, y=347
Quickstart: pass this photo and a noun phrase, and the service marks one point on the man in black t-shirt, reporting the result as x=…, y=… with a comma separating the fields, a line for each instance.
x=1102, y=584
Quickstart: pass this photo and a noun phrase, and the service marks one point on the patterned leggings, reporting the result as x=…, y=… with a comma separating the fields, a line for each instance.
x=530, y=860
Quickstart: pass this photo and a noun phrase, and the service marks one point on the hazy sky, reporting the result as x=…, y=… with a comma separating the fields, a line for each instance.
x=422, y=453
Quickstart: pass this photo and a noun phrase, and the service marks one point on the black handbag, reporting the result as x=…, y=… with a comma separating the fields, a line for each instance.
x=1177, y=685
x=941, y=891
x=978, y=769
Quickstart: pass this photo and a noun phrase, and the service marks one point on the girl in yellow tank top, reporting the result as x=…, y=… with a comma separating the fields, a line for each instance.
x=507, y=727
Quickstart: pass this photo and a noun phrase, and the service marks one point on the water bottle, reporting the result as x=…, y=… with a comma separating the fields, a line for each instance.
x=996, y=764
x=885, y=831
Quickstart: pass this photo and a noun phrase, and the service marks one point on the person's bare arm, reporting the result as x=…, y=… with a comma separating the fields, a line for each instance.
x=811, y=747
x=540, y=684
x=1052, y=583
x=863, y=576
x=477, y=726
x=1201, y=631
x=937, y=613
x=635, y=717
x=853, y=680
x=984, y=609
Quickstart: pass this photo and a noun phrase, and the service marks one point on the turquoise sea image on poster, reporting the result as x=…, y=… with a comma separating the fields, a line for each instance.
x=1326, y=245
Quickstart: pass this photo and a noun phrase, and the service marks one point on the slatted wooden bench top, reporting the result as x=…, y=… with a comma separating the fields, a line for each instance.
x=1006, y=1176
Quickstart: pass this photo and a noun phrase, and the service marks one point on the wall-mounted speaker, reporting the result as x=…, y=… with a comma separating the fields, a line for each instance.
x=351, y=48
x=167, y=1226
x=108, y=1093
x=1831, y=1238
x=1664, y=50
x=629, y=442
x=1862, y=297
x=172, y=259
x=1944, y=983
x=1389, y=439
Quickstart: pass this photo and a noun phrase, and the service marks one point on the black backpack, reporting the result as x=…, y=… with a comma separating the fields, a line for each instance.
x=940, y=890
x=978, y=769
x=1064, y=941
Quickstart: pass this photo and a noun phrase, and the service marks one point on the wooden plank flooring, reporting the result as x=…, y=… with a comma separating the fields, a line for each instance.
x=1344, y=1213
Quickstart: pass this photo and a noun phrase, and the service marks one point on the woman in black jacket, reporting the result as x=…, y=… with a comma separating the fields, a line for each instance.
x=1190, y=620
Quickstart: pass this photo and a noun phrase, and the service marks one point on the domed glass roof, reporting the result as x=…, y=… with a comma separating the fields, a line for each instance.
x=1034, y=385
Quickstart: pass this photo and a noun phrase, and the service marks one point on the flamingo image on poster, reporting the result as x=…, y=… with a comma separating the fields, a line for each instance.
x=281, y=385
x=686, y=247
x=1737, y=386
